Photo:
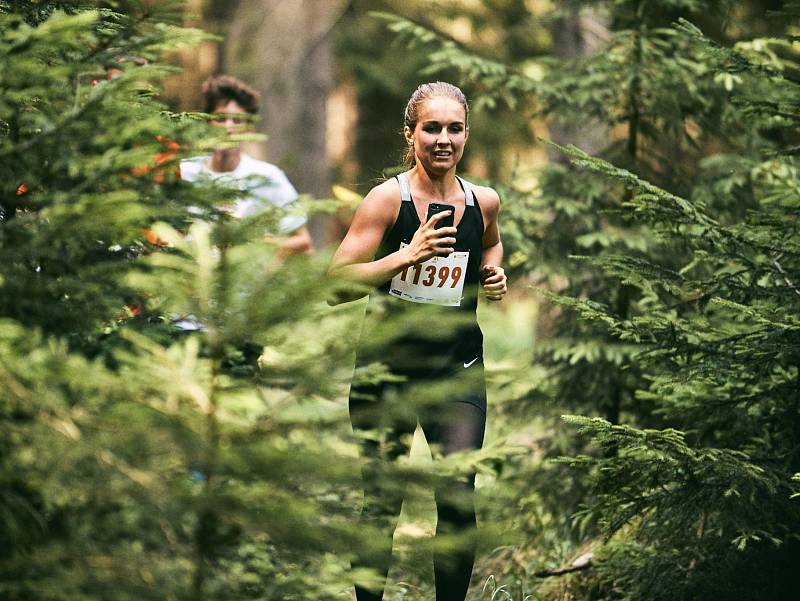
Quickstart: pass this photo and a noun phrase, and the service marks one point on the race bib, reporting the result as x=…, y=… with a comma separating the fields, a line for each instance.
x=438, y=281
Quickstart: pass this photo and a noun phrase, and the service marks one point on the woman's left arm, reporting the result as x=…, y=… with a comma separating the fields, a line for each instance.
x=493, y=276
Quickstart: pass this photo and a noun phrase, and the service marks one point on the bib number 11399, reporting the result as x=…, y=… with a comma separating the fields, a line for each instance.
x=438, y=281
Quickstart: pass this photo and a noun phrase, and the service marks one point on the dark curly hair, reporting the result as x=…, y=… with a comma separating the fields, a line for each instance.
x=224, y=88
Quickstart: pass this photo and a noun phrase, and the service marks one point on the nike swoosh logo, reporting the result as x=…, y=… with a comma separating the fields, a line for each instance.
x=466, y=365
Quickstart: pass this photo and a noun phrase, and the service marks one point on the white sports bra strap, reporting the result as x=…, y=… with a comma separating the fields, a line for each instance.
x=405, y=189
x=469, y=194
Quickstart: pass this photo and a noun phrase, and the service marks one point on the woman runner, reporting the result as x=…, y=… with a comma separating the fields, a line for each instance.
x=429, y=275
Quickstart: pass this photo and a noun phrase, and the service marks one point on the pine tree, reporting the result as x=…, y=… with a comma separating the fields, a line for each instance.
x=713, y=510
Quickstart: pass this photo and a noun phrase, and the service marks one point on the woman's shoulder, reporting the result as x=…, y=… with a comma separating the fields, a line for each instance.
x=387, y=189
x=488, y=198
x=383, y=198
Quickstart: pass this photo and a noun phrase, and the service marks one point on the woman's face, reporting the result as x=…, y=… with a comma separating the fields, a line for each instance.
x=440, y=134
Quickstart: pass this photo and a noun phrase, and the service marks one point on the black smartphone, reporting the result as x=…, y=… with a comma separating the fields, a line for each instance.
x=448, y=221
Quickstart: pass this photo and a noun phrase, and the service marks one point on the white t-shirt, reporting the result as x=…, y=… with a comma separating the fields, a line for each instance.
x=265, y=183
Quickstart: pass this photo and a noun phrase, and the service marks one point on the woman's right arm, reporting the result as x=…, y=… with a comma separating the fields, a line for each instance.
x=374, y=217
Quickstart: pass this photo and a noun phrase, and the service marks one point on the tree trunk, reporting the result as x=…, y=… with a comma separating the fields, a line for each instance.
x=574, y=36
x=285, y=50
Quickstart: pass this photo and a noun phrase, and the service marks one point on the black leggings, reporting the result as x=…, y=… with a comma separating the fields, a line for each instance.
x=455, y=423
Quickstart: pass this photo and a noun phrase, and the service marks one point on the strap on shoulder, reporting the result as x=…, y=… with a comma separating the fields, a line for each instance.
x=469, y=193
x=405, y=189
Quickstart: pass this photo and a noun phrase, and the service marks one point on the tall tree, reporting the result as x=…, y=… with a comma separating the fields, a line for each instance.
x=712, y=506
x=286, y=51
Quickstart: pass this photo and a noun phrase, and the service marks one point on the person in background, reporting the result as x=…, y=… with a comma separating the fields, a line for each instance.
x=265, y=184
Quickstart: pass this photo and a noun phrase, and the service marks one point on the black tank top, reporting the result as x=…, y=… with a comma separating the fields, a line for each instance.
x=423, y=338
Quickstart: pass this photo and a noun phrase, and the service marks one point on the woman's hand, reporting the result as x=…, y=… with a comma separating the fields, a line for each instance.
x=493, y=280
x=429, y=242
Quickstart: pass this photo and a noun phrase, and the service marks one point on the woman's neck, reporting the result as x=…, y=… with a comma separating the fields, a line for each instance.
x=436, y=186
x=225, y=160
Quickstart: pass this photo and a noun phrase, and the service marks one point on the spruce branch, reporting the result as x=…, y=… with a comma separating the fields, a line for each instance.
x=652, y=192
x=496, y=79
x=786, y=279
x=728, y=59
